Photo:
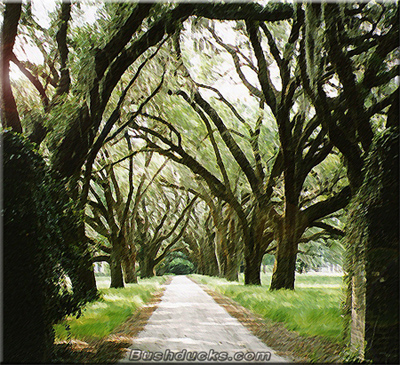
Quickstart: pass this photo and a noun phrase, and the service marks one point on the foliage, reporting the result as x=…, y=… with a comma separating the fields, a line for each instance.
x=306, y=97
x=39, y=220
x=370, y=194
x=321, y=252
x=372, y=242
x=114, y=307
x=175, y=263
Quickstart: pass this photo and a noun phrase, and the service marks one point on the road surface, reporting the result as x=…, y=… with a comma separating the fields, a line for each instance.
x=189, y=326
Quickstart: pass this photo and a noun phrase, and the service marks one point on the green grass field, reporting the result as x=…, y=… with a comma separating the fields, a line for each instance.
x=313, y=309
x=309, y=280
x=115, y=306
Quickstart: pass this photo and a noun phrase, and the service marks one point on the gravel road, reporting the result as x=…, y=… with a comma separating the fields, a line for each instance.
x=189, y=326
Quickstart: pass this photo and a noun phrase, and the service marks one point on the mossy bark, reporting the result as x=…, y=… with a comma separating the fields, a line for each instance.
x=147, y=268
x=373, y=248
x=117, y=280
x=128, y=265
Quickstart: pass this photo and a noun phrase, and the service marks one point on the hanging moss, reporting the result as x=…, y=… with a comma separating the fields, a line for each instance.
x=372, y=239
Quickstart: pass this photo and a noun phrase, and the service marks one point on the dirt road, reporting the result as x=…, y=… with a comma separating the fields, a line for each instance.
x=189, y=326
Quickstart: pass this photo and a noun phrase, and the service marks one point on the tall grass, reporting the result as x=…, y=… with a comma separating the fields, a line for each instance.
x=114, y=307
x=308, y=280
x=312, y=309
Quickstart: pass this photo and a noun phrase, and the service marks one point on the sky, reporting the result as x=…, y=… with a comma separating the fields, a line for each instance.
x=41, y=10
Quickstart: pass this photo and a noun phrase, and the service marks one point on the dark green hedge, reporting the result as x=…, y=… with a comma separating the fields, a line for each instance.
x=39, y=251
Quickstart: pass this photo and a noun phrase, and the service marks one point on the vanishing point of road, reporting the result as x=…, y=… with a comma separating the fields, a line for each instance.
x=189, y=326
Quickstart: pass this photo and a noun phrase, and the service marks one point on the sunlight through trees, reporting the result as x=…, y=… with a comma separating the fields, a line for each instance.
x=213, y=134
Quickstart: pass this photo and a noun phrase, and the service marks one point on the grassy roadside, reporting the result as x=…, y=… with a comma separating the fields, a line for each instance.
x=114, y=307
x=309, y=280
x=313, y=309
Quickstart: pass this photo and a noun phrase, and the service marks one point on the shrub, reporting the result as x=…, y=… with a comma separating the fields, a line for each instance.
x=39, y=220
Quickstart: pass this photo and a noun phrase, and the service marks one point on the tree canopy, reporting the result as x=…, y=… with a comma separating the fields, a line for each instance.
x=217, y=132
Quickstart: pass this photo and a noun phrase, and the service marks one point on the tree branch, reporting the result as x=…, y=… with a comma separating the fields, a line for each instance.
x=328, y=228
x=61, y=37
x=101, y=258
x=176, y=239
x=34, y=80
x=328, y=206
x=9, y=112
x=236, y=61
x=250, y=11
x=233, y=147
x=97, y=225
x=263, y=73
x=131, y=189
x=105, y=56
x=178, y=221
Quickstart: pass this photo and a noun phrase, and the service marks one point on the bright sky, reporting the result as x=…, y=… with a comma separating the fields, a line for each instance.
x=41, y=10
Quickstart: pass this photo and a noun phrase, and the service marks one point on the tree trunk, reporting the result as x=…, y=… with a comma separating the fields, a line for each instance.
x=8, y=106
x=219, y=245
x=252, y=268
x=117, y=280
x=128, y=265
x=83, y=279
x=382, y=254
x=283, y=276
x=285, y=265
x=209, y=260
x=233, y=258
x=231, y=272
x=232, y=275
x=147, y=268
x=372, y=239
x=382, y=284
x=255, y=246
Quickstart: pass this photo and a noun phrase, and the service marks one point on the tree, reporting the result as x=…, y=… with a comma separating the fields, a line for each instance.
x=114, y=211
x=39, y=253
x=159, y=232
x=321, y=83
x=113, y=217
x=9, y=113
x=351, y=48
x=372, y=241
x=302, y=145
x=199, y=246
x=221, y=244
x=199, y=243
x=85, y=105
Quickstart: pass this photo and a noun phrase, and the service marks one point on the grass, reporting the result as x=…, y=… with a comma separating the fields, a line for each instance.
x=313, y=309
x=307, y=280
x=115, y=306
